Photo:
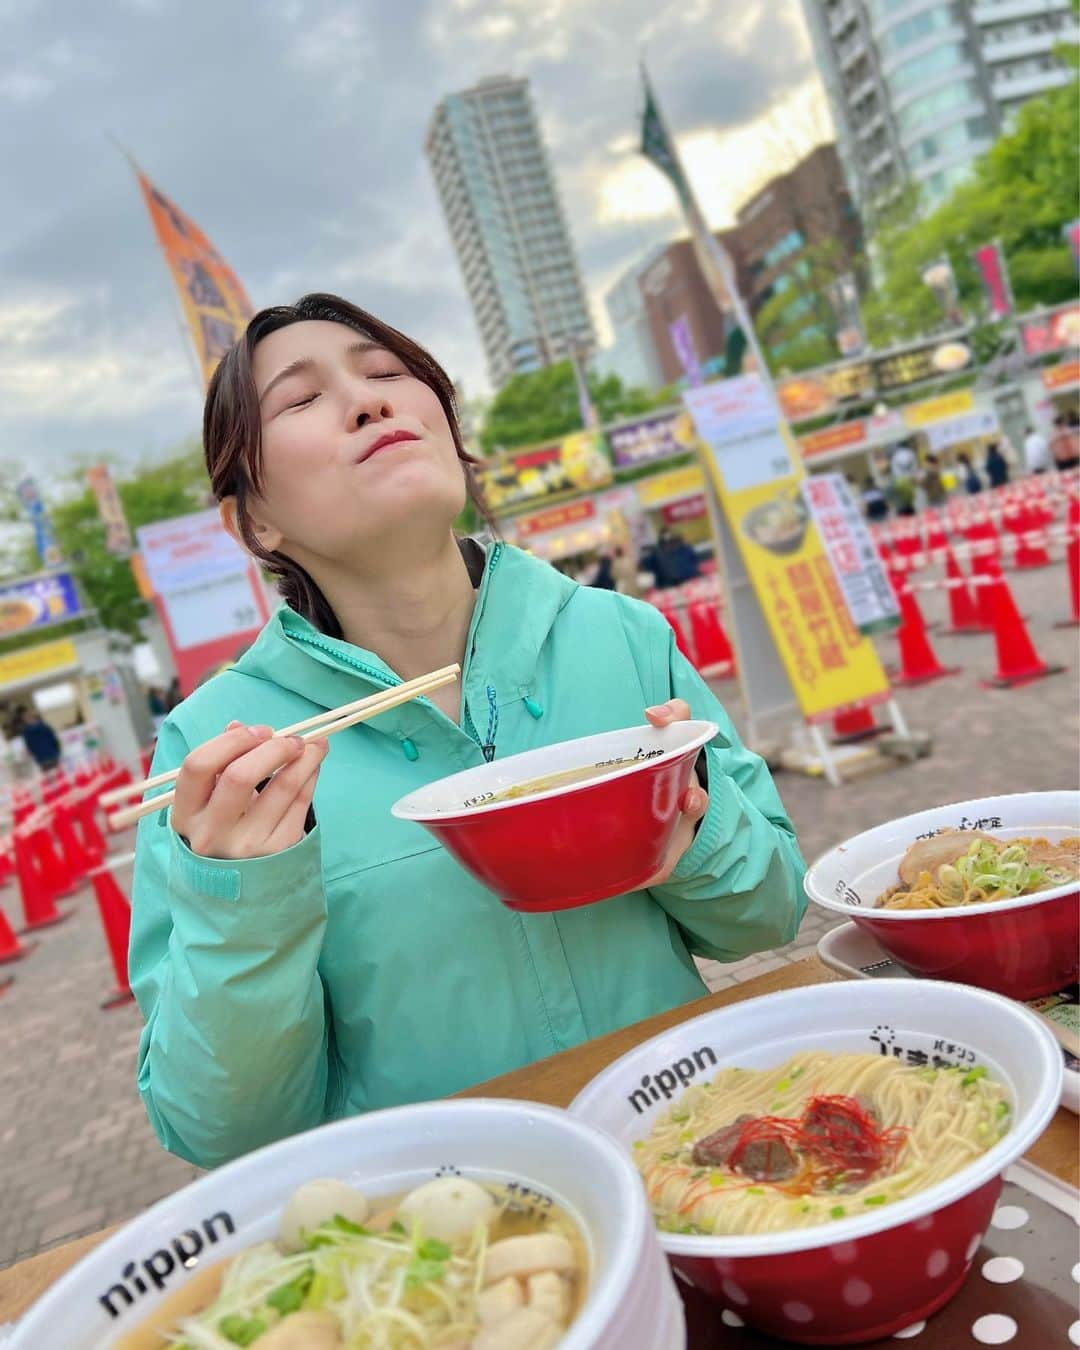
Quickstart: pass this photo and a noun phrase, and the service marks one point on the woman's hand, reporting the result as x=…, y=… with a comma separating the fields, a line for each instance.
x=695, y=802
x=217, y=810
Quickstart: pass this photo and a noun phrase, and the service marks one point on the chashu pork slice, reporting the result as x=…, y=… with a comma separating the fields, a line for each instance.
x=927, y=855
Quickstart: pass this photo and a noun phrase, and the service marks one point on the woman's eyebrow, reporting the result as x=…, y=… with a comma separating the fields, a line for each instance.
x=306, y=363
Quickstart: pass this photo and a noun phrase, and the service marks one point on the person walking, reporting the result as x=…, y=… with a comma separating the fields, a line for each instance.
x=42, y=743
x=973, y=484
x=1036, y=451
x=996, y=465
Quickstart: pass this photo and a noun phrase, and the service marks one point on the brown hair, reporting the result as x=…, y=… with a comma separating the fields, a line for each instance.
x=232, y=432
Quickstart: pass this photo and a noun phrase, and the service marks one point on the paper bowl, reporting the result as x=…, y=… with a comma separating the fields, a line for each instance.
x=861, y=1278
x=632, y=1300
x=1023, y=948
x=571, y=845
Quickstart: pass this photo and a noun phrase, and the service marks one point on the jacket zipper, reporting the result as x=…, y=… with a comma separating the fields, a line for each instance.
x=391, y=682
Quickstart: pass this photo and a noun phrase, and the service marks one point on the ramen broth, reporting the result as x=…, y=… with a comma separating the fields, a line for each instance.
x=564, y=778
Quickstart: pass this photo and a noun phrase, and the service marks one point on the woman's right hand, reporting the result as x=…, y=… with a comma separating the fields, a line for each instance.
x=217, y=810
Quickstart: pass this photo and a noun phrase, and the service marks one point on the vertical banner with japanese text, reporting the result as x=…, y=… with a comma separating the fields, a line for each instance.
x=215, y=304
x=758, y=479
x=110, y=509
x=864, y=583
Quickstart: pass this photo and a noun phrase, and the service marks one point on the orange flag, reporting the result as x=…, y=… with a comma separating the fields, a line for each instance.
x=214, y=303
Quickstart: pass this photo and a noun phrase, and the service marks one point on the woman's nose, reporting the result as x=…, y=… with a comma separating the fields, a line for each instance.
x=369, y=405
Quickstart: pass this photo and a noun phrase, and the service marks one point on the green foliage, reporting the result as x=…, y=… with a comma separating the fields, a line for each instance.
x=543, y=405
x=155, y=492
x=1021, y=193
x=787, y=321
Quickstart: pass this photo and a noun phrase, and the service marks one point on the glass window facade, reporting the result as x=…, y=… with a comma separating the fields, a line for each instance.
x=950, y=140
x=919, y=26
x=935, y=105
x=927, y=66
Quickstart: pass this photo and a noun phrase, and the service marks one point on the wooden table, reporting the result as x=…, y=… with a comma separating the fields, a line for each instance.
x=557, y=1081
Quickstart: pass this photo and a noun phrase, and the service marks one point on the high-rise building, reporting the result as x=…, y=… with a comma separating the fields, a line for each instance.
x=920, y=88
x=508, y=227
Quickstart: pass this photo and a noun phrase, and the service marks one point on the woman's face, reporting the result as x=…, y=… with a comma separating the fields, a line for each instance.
x=356, y=450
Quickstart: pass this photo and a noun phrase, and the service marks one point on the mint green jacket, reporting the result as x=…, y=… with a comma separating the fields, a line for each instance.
x=364, y=967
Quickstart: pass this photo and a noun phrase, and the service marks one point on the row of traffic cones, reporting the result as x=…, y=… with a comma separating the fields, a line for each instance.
x=1018, y=662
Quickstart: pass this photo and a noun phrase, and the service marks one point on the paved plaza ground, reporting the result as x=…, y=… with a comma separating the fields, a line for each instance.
x=76, y=1151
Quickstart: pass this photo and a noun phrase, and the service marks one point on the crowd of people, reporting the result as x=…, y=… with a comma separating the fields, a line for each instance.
x=904, y=485
x=671, y=561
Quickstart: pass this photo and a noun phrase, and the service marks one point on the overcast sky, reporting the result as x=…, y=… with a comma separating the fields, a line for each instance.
x=292, y=131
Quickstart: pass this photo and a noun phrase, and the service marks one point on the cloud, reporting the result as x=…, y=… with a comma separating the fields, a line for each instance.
x=292, y=131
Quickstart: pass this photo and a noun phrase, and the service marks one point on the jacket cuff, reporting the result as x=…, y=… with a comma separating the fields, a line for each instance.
x=274, y=876
x=695, y=861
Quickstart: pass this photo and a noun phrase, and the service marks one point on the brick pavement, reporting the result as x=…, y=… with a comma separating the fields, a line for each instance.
x=76, y=1151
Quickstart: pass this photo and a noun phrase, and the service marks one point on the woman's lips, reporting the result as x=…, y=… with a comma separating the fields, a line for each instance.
x=385, y=442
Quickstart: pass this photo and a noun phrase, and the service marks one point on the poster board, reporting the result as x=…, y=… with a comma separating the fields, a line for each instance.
x=781, y=581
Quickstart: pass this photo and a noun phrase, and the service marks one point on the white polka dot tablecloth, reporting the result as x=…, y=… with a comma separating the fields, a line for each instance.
x=1023, y=1289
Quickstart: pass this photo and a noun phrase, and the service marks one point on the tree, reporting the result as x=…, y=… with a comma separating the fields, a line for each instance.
x=174, y=487
x=1020, y=193
x=797, y=324
x=543, y=405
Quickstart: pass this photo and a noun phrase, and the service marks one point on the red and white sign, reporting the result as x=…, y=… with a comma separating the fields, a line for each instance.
x=188, y=550
x=864, y=584
x=209, y=624
x=690, y=508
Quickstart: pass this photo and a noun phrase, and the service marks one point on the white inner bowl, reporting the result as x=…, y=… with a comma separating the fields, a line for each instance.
x=849, y=878
x=464, y=794
x=381, y=1154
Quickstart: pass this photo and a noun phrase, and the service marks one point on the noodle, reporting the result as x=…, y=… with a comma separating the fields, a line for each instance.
x=937, y=1120
x=989, y=869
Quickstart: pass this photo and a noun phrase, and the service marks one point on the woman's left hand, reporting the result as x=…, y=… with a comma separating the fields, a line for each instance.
x=695, y=802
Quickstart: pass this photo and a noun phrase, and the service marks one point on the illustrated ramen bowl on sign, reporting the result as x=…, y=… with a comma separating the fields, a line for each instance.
x=539, y=1160
x=1023, y=947
x=569, y=824
x=847, y=1275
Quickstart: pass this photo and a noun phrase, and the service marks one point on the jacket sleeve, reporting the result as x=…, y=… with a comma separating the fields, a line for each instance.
x=738, y=888
x=223, y=964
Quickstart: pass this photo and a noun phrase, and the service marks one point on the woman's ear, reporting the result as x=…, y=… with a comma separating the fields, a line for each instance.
x=267, y=535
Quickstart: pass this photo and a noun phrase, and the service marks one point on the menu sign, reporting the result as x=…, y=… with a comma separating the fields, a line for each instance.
x=576, y=463
x=658, y=437
x=864, y=584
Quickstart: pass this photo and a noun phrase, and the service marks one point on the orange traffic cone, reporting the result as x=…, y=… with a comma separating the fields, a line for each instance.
x=11, y=949
x=918, y=664
x=76, y=861
x=92, y=839
x=854, y=724
x=714, y=655
x=964, y=615
x=39, y=910
x=1029, y=519
x=1072, y=563
x=116, y=922
x=1018, y=661
x=53, y=863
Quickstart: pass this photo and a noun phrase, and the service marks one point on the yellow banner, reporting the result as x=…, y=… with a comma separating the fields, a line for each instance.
x=755, y=468
x=940, y=408
x=665, y=487
x=33, y=661
x=214, y=302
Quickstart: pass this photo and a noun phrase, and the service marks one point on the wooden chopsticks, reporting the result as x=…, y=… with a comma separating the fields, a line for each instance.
x=311, y=728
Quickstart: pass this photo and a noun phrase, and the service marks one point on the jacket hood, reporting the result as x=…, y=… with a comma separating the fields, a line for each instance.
x=517, y=602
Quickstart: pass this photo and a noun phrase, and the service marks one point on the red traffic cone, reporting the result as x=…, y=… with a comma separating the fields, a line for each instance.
x=54, y=863
x=23, y=805
x=1018, y=661
x=116, y=921
x=39, y=911
x=11, y=949
x=1028, y=520
x=918, y=664
x=74, y=858
x=146, y=758
x=92, y=839
x=668, y=612
x=936, y=539
x=1072, y=563
x=714, y=655
x=854, y=724
x=964, y=615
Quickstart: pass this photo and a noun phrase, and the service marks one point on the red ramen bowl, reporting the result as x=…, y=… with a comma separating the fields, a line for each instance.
x=856, y=1279
x=564, y=839
x=1023, y=947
